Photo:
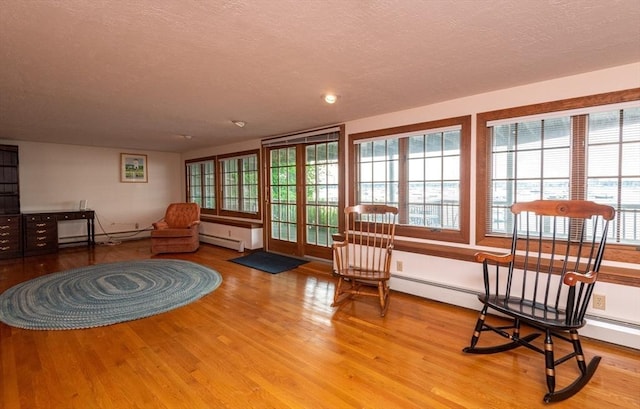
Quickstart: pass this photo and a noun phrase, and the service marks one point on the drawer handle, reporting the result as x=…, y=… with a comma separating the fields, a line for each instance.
x=41, y=244
x=40, y=231
x=41, y=224
x=5, y=248
x=5, y=234
x=4, y=227
x=41, y=238
x=4, y=241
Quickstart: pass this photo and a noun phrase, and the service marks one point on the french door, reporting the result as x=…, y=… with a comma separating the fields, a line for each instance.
x=303, y=199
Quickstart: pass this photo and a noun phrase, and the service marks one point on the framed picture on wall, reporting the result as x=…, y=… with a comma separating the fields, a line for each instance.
x=133, y=168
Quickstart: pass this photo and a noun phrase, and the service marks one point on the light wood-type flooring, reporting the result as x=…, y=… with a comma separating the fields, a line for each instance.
x=274, y=341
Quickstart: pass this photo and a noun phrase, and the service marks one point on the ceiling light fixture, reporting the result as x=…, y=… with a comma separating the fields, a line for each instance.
x=187, y=137
x=330, y=98
x=239, y=124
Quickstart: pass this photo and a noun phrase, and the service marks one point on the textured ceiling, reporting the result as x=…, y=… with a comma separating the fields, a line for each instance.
x=139, y=74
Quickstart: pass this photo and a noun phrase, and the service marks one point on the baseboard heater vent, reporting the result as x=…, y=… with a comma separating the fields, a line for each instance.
x=223, y=242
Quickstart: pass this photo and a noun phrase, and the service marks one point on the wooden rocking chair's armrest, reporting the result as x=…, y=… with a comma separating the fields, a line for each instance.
x=572, y=278
x=339, y=244
x=481, y=257
x=486, y=259
x=193, y=223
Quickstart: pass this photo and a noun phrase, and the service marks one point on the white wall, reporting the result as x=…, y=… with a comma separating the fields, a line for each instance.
x=57, y=177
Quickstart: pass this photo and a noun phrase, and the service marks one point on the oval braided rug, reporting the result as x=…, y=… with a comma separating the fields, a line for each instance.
x=105, y=294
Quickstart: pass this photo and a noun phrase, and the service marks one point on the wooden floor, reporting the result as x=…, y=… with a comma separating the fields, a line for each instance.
x=273, y=341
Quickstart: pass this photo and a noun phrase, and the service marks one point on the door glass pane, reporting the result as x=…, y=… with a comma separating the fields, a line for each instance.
x=283, y=193
x=321, y=170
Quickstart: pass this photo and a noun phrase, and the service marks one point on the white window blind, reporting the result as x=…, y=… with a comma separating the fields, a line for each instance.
x=313, y=136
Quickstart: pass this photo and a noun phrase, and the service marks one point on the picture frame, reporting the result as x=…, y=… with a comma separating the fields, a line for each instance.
x=134, y=168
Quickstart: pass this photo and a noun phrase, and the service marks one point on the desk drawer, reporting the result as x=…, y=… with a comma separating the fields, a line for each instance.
x=39, y=218
x=40, y=235
x=76, y=215
x=10, y=240
x=9, y=223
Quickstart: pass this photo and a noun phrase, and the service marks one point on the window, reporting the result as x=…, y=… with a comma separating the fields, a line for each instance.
x=201, y=183
x=235, y=178
x=423, y=170
x=584, y=148
x=613, y=168
x=239, y=179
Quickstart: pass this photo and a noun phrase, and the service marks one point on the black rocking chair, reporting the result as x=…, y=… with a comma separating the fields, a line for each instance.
x=546, y=281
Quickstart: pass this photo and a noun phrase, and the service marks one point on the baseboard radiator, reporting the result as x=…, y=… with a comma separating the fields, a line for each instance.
x=227, y=242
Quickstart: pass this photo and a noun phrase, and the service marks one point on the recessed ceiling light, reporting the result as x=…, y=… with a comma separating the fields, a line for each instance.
x=239, y=124
x=187, y=137
x=330, y=98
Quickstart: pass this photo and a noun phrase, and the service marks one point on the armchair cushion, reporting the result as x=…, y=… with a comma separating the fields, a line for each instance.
x=167, y=232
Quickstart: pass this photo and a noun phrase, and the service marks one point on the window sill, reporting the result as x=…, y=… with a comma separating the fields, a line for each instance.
x=247, y=224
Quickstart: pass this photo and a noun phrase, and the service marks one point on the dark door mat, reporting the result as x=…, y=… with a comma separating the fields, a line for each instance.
x=269, y=262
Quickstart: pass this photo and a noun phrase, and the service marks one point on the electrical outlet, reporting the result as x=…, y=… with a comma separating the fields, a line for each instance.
x=398, y=265
x=599, y=302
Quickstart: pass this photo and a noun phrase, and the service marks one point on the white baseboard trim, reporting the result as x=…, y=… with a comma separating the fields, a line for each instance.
x=227, y=242
x=619, y=333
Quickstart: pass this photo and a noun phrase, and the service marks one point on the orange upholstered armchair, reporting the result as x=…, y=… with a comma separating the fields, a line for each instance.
x=178, y=231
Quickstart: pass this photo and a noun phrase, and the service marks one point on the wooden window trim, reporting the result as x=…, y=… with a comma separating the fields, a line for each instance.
x=220, y=192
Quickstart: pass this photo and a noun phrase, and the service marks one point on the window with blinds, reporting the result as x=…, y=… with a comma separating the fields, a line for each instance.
x=590, y=154
x=421, y=169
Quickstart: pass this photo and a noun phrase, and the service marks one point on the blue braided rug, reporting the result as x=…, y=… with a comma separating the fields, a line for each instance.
x=105, y=294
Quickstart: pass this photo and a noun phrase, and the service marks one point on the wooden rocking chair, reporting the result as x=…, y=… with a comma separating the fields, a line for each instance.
x=362, y=255
x=546, y=281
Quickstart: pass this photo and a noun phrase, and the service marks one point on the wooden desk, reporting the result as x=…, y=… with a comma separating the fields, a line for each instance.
x=40, y=229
